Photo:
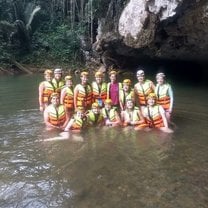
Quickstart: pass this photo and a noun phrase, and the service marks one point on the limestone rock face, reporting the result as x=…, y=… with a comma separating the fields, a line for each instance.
x=159, y=29
x=139, y=19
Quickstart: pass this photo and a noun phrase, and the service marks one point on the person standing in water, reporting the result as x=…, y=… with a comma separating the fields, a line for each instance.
x=55, y=115
x=164, y=93
x=125, y=94
x=46, y=88
x=83, y=93
x=58, y=82
x=155, y=114
x=99, y=89
x=143, y=88
x=67, y=95
x=113, y=88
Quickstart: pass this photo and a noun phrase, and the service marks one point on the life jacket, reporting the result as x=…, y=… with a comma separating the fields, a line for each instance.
x=69, y=98
x=77, y=124
x=47, y=91
x=109, y=114
x=92, y=118
x=84, y=96
x=123, y=97
x=99, y=93
x=134, y=117
x=163, y=97
x=58, y=85
x=154, y=119
x=143, y=90
x=108, y=88
x=57, y=117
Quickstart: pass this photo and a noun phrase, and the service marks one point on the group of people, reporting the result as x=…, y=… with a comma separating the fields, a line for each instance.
x=144, y=106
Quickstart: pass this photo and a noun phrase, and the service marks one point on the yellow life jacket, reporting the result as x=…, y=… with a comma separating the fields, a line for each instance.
x=84, y=96
x=69, y=98
x=154, y=118
x=57, y=116
x=163, y=97
x=58, y=85
x=123, y=97
x=108, y=89
x=109, y=114
x=143, y=90
x=134, y=116
x=47, y=91
x=77, y=124
x=92, y=119
x=99, y=92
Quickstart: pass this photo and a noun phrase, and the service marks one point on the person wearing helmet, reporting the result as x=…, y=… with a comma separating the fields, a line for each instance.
x=155, y=114
x=113, y=88
x=67, y=95
x=132, y=116
x=55, y=115
x=164, y=93
x=46, y=88
x=83, y=93
x=126, y=93
x=58, y=82
x=77, y=122
x=143, y=87
x=99, y=89
x=110, y=114
x=94, y=116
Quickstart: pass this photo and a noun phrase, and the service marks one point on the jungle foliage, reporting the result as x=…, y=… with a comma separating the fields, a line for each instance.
x=46, y=32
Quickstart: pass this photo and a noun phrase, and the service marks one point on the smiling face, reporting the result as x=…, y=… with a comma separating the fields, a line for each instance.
x=126, y=87
x=69, y=83
x=96, y=110
x=80, y=114
x=129, y=104
x=99, y=79
x=55, y=101
x=84, y=79
x=57, y=76
x=48, y=77
x=151, y=101
x=107, y=106
x=113, y=78
x=140, y=78
x=160, y=80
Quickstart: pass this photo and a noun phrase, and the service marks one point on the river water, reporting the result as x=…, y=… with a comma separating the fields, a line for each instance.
x=101, y=168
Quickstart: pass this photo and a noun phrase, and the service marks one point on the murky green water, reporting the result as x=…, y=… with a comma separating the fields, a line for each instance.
x=110, y=168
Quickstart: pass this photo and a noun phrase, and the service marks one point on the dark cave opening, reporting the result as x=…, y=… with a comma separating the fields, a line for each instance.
x=193, y=72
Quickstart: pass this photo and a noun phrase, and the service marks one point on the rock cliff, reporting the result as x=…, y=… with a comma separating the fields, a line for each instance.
x=155, y=29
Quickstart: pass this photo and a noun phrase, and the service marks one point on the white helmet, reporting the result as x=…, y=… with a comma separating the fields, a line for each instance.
x=58, y=71
x=140, y=73
x=160, y=74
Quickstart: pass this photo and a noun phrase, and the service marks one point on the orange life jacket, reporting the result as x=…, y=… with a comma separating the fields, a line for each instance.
x=57, y=116
x=163, y=97
x=84, y=96
x=143, y=90
x=99, y=92
x=69, y=98
x=154, y=118
x=47, y=91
